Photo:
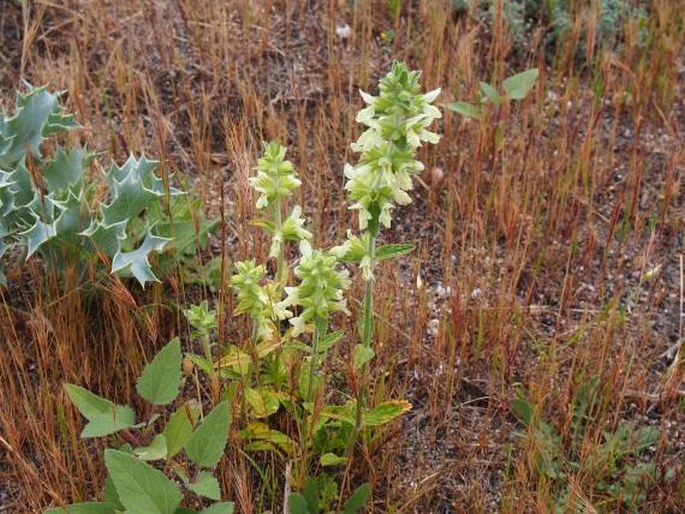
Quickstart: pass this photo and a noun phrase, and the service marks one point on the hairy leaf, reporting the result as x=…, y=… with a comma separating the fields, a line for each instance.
x=142, y=489
x=207, y=443
x=104, y=416
x=205, y=485
x=161, y=379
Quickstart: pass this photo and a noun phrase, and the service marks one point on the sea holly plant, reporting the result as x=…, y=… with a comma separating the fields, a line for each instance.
x=48, y=204
x=134, y=485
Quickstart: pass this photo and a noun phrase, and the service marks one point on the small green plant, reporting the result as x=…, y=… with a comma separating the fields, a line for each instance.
x=319, y=494
x=515, y=87
x=135, y=486
x=49, y=206
x=619, y=478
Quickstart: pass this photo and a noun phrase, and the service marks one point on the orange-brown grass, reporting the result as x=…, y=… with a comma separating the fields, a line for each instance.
x=531, y=255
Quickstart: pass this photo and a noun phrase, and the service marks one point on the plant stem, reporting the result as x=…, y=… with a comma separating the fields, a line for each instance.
x=280, y=266
x=367, y=333
x=363, y=386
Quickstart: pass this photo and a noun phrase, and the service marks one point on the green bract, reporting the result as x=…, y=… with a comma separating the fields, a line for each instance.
x=292, y=229
x=276, y=178
x=45, y=200
x=260, y=302
x=320, y=292
x=397, y=124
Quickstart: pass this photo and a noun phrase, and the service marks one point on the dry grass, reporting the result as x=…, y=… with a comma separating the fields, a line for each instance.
x=531, y=261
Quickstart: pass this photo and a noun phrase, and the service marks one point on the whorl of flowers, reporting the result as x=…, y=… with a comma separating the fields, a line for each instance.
x=397, y=124
x=320, y=292
x=276, y=178
x=260, y=302
x=292, y=229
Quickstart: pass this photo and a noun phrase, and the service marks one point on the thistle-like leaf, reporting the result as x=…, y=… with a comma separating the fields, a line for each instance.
x=66, y=169
x=38, y=234
x=130, y=198
x=136, y=262
x=106, y=238
x=37, y=115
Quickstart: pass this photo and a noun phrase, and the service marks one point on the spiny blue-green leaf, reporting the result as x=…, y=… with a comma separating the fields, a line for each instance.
x=205, y=485
x=161, y=378
x=59, y=123
x=106, y=239
x=130, y=199
x=22, y=188
x=104, y=417
x=136, y=262
x=156, y=450
x=38, y=234
x=519, y=85
x=219, y=508
x=142, y=171
x=66, y=168
x=206, y=445
x=142, y=489
x=141, y=167
x=3, y=249
x=27, y=125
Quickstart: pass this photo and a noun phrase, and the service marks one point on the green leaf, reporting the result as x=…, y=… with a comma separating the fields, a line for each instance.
x=519, y=85
x=161, y=379
x=357, y=500
x=327, y=342
x=205, y=485
x=66, y=169
x=362, y=355
x=84, y=508
x=156, y=450
x=135, y=189
x=465, y=109
x=385, y=412
x=136, y=262
x=490, y=93
x=262, y=404
x=104, y=417
x=180, y=427
x=142, y=489
x=311, y=492
x=393, y=250
x=522, y=410
x=331, y=459
x=206, y=445
x=111, y=496
x=219, y=508
x=203, y=363
x=37, y=235
x=26, y=127
x=297, y=504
